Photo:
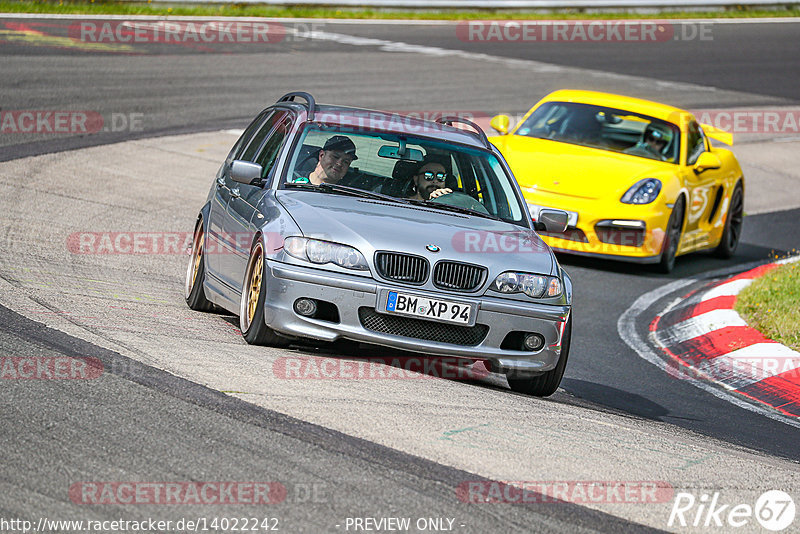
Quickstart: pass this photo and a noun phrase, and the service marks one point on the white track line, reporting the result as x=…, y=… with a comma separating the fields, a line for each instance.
x=728, y=289
x=526, y=64
x=626, y=326
x=700, y=325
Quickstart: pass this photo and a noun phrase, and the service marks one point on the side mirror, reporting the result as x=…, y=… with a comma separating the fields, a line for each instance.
x=245, y=172
x=500, y=123
x=706, y=161
x=553, y=221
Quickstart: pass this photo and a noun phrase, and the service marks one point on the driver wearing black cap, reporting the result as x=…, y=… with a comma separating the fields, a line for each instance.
x=334, y=161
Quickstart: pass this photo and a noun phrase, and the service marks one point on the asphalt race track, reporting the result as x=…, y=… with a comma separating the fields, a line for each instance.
x=183, y=399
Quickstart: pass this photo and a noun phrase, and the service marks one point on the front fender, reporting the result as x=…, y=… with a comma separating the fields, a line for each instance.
x=277, y=226
x=204, y=214
x=567, y=286
x=672, y=187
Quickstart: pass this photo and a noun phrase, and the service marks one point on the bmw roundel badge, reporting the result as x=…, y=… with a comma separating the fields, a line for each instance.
x=433, y=248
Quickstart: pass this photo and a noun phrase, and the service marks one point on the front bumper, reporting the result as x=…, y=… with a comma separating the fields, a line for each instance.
x=596, y=235
x=356, y=297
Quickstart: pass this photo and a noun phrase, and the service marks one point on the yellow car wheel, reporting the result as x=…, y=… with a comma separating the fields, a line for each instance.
x=672, y=238
x=733, y=224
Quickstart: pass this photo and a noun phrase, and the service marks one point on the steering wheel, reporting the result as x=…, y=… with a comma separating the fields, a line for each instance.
x=461, y=200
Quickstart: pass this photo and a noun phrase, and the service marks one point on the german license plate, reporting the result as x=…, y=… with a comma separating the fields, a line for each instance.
x=428, y=308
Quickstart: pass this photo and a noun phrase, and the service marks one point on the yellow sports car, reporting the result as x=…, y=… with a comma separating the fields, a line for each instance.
x=640, y=181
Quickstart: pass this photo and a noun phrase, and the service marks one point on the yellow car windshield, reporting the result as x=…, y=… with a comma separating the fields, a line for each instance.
x=604, y=128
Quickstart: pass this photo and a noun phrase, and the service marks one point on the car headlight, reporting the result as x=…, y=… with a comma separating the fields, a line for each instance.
x=322, y=252
x=643, y=192
x=533, y=285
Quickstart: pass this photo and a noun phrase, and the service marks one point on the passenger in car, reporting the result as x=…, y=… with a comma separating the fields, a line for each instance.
x=333, y=161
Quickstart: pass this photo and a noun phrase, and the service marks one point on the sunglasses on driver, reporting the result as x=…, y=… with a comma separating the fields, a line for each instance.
x=431, y=176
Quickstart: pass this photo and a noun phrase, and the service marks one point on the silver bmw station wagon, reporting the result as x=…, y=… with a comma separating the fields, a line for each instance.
x=329, y=223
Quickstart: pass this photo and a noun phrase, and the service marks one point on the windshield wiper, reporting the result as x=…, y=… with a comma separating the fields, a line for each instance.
x=360, y=192
x=301, y=185
x=352, y=191
x=456, y=209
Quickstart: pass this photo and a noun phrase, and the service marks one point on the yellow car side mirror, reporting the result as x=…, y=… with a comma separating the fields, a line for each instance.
x=706, y=161
x=500, y=123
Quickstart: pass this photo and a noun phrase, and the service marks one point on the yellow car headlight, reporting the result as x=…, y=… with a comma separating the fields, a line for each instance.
x=642, y=192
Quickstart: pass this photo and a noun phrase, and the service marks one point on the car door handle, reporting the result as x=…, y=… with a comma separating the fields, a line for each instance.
x=235, y=192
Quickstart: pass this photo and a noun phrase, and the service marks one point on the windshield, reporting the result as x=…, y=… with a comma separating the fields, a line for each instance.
x=604, y=128
x=403, y=169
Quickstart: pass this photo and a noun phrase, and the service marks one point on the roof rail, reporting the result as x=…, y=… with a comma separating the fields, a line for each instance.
x=311, y=103
x=479, y=133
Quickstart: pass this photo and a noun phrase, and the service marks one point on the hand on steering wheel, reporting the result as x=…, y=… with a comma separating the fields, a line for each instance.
x=439, y=192
x=457, y=198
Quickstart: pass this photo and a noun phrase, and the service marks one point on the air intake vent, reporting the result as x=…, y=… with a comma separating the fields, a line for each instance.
x=457, y=276
x=467, y=336
x=403, y=268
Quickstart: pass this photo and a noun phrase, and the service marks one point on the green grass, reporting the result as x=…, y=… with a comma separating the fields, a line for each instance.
x=771, y=305
x=102, y=7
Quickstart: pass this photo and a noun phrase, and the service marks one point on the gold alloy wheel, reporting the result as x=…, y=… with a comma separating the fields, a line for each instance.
x=198, y=255
x=194, y=261
x=255, y=285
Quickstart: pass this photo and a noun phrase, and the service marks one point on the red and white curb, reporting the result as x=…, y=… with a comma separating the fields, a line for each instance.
x=704, y=339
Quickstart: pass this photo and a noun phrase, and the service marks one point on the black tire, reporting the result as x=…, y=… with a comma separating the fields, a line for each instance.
x=196, y=272
x=734, y=221
x=547, y=383
x=672, y=238
x=251, y=309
